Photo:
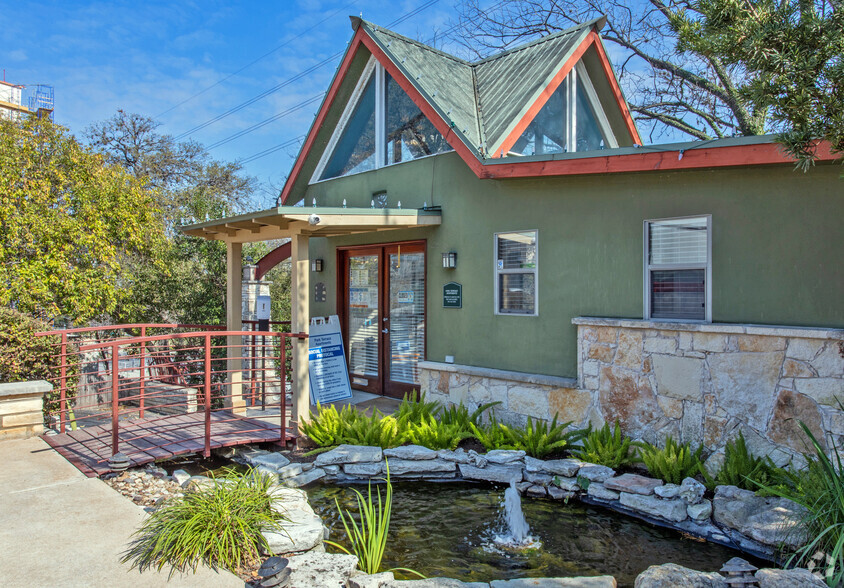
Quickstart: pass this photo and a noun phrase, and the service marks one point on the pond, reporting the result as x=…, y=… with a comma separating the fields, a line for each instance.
x=451, y=529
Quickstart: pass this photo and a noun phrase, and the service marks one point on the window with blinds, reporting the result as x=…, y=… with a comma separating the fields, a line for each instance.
x=516, y=266
x=677, y=268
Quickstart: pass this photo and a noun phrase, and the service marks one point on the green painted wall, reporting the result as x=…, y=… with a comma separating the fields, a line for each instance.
x=777, y=249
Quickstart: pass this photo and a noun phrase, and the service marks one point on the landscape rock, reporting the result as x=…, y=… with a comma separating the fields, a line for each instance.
x=302, y=530
x=274, y=461
x=600, y=492
x=633, y=483
x=267, y=471
x=459, y=455
x=667, y=491
x=371, y=580
x=492, y=473
x=180, y=477
x=674, y=576
x=305, y=478
x=410, y=452
x=197, y=482
x=364, y=470
x=533, y=465
x=691, y=491
x=575, y=582
x=796, y=578
x=568, y=484
x=541, y=479
x=672, y=509
x=476, y=459
x=536, y=491
x=321, y=570
x=563, y=467
x=403, y=467
x=504, y=456
x=558, y=494
x=349, y=454
x=288, y=471
x=595, y=473
x=700, y=511
x=770, y=520
x=434, y=583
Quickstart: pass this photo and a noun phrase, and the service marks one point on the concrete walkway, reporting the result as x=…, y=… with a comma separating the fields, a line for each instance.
x=59, y=528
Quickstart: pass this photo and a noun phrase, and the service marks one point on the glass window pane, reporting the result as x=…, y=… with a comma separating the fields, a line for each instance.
x=678, y=294
x=588, y=133
x=547, y=131
x=517, y=293
x=677, y=241
x=516, y=250
x=363, y=315
x=409, y=132
x=355, y=150
x=407, y=316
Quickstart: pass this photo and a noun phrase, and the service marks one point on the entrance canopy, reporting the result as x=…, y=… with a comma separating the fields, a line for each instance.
x=286, y=221
x=298, y=224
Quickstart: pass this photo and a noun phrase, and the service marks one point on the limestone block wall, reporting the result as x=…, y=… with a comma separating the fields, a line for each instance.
x=703, y=383
x=21, y=406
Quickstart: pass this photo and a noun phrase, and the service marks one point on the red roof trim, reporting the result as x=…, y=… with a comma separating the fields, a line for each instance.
x=694, y=158
x=616, y=90
x=323, y=112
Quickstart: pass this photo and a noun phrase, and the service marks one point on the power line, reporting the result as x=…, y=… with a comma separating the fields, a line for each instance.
x=267, y=121
x=271, y=150
x=253, y=62
x=297, y=77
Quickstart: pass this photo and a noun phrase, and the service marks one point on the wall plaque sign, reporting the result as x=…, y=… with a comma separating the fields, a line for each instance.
x=453, y=295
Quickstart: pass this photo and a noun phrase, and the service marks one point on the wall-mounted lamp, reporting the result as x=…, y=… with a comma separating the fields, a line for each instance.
x=450, y=260
x=316, y=265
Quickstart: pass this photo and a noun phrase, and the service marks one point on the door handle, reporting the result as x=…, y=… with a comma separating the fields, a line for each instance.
x=385, y=330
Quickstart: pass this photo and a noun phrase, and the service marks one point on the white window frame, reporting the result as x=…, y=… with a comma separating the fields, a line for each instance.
x=498, y=272
x=648, y=268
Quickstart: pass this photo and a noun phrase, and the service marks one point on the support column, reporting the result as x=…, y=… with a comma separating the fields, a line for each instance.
x=234, y=308
x=299, y=319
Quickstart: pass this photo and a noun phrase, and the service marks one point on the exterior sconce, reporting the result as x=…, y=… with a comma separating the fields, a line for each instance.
x=316, y=265
x=450, y=260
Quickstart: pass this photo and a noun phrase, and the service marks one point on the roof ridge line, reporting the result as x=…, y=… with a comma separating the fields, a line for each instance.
x=379, y=29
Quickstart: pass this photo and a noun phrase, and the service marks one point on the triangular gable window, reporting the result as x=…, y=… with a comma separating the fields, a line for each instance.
x=381, y=126
x=571, y=120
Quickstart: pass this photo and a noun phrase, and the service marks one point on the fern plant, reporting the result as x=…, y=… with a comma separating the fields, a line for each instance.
x=745, y=470
x=415, y=409
x=673, y=462
x=608, y=448
x=491, y=435
x=327, y=426
x=458, y=414
x=538, y=439
x=436, y=434
x=376, y=430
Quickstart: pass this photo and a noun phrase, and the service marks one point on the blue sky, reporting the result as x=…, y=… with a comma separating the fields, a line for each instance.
x=149, y=56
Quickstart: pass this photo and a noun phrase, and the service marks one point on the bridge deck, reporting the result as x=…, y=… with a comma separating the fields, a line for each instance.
x=147, y=440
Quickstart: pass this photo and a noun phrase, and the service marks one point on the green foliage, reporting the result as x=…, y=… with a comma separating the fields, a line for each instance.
x=326, y=425
x=219, y=526
x=745, y=470
x=491, y=435
x=791, y=53
x=459, y=415
x=437, y=434
x=23, y=356
x=68, y=224
x=820, y=489
x=673, y=462
x=330, y=427
x=538, y=438
x=608, y=448
x=415, y=409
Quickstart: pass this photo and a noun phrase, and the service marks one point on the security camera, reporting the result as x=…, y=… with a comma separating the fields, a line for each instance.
x=314, y=219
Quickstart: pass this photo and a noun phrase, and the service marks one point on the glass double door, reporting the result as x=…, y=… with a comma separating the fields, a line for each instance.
x=383, y=306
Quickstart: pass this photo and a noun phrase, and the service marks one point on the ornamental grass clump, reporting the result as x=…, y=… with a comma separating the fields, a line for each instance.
x=673, y=462
x=607, y=447
x=219, y=525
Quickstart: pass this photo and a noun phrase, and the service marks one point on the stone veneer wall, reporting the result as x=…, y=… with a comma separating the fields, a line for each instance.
x=701, y=383
x=21, y=405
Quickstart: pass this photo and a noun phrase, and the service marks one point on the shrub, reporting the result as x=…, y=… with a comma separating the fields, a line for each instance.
x=745, y=470
x=24, y=357
x=435, y=434
x=491, y=435
x=674, y=462
x=459, y=415
x=218, y=525
x=608, y=448
x=376, y=430
x=415, y=409
x=538, y=439
x=327, y=425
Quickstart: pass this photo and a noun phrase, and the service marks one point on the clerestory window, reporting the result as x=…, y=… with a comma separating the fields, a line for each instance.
x=571, y=120
x=381, y=126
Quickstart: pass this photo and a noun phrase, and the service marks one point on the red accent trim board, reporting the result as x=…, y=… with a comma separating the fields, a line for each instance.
x=619, y=96
x=272, y=259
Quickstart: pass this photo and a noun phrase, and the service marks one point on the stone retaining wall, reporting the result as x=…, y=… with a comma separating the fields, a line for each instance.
x=21, y=409
x=735, y=518
x=703, y=383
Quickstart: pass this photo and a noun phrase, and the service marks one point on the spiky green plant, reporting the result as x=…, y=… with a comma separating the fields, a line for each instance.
x=538, y=438
x=368, y=536
x=219, y=525
x=673, y=462
x=326, y=427
x=458, y=414
x=607, y=447
x=745, y=470
x=435, y=434
x=414, y=408
x=491, y=434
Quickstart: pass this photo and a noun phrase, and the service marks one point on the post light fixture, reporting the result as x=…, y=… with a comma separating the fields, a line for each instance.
x=316, y=265
x=450, y=260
